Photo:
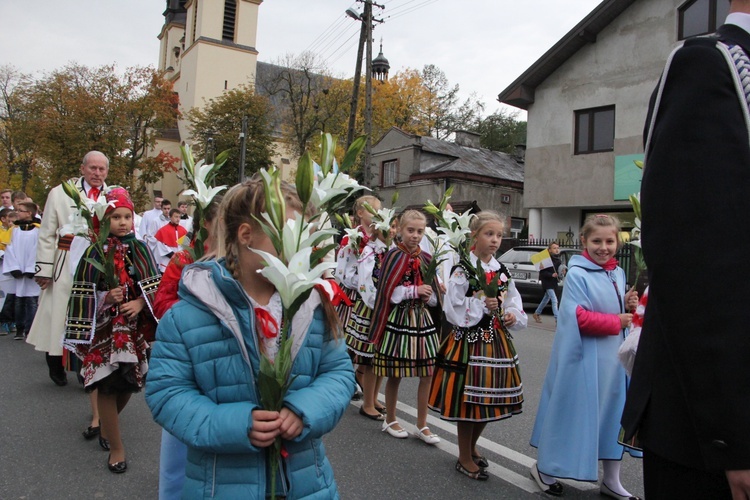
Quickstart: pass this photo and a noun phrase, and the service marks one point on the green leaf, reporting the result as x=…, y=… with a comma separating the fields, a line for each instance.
x=446, y=196
x=96, y=264
x=350, y=158
x=318, y=254
x=394, y=199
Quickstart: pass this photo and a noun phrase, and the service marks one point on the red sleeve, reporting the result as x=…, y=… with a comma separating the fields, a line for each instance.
x=596, y=324
x=166, y=295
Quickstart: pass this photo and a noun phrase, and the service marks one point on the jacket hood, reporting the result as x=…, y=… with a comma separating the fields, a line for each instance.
x=209, y=285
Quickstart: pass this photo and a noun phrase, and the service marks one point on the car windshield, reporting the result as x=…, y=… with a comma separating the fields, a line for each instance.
x=518, y=256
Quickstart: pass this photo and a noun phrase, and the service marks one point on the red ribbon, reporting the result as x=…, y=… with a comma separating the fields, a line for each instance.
x=339, y=295
x=266, y=323
x=489, y=276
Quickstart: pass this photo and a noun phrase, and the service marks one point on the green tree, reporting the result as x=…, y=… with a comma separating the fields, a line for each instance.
x=502, y=131
x=221, y=120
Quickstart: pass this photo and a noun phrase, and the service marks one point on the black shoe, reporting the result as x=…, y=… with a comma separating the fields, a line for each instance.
x=91, y=432
x=59, y=378
x=479, y=475
x=480, y=461
x=377, y=416
x=117, y=467
x=554, y=489
x=103, y=443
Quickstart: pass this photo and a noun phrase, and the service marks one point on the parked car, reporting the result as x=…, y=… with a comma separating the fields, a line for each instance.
x=523, y=273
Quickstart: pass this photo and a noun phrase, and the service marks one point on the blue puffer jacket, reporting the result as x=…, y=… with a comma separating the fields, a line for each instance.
x=201, y=388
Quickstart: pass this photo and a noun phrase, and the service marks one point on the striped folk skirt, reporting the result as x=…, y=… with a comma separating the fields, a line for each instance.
x=477, y=378
x=358, y=334
x=344, y=311
x=409, y=344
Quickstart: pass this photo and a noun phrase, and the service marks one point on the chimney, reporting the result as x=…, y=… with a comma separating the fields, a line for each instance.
x=468, y=139
x=519, y=152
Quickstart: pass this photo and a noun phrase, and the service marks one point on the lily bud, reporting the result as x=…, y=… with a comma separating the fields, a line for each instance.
x=305, y=178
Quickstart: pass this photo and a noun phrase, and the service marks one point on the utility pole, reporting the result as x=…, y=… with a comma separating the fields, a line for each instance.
x=365, y=39
x=243, y=148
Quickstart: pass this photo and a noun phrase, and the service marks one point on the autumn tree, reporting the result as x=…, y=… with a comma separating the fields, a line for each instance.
x=70, y=111
x=15, y=144
x=443, y=113
x=221, y=120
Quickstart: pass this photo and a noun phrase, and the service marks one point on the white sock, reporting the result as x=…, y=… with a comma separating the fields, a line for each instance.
x=612, y=477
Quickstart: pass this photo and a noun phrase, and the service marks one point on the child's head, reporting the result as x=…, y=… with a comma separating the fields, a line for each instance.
x=26, y=210
x=487, y=233
x=6, y=198
x=600, y=237
x=5, y=216
x=395, y=225
x=554, y=248
x=411, y=228
x=210, y=214
x=239, y=228
x=18, y=197
x=361, y=215
x=119, y=211
x=175, y=216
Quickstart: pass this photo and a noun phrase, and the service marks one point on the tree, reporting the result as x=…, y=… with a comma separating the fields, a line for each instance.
x=502, y=131
x=65, y=113
x=15, y=146
x=302, y=91
x=221, y=119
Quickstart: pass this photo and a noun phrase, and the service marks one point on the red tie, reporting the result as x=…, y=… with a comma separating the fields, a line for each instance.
x=94, y=193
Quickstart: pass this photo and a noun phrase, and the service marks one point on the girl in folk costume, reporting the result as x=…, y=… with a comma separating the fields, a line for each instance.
x=367, y=261
x=477, y=378
x=402, y=329
x=578, y=419
x=346, y=260
x=109, y=329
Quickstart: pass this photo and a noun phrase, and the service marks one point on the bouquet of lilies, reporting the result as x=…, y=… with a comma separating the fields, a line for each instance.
x=97, y=230
x=199, y=177
x=298, y=265
x=383, y=218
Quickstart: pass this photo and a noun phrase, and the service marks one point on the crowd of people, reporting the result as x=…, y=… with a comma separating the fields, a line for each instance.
x=403, y=310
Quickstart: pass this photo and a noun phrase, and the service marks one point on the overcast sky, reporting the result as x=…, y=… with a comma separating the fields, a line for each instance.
x=482, y=45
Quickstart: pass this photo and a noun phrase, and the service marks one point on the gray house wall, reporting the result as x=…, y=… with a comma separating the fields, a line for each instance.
x=620, y=68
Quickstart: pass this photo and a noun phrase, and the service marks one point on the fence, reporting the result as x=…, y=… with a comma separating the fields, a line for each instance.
x=624, y=256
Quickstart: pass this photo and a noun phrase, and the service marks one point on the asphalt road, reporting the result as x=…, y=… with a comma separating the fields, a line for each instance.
x=44, y=456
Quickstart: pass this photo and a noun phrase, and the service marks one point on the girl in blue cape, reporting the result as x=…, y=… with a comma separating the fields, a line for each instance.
x=578, y=419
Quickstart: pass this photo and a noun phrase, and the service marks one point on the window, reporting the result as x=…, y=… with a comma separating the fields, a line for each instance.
x=195, y=21
x=389, y=173
x=699, y=17
x=230, y=13
x=595, y=130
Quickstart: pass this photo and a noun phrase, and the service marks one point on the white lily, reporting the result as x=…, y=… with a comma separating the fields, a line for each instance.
x=97, y=208
x=454, y=237
x=354, y=237
x=463, y=220
x=383, y=219
x=203, y=194
x=331, y=186
x=295, y=279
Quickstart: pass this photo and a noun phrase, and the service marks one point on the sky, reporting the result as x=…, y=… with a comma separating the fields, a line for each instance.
x=481, y=45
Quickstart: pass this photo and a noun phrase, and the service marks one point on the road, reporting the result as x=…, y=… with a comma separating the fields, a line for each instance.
x=43, y=455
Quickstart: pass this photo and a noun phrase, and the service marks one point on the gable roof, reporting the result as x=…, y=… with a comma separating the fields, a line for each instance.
x=520, y=93
x=475, y=161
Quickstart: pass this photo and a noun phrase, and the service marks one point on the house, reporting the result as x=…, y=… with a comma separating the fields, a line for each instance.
x=587, y=99
x=422, y=168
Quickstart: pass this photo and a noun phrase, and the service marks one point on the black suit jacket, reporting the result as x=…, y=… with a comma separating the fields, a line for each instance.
x=690, y=390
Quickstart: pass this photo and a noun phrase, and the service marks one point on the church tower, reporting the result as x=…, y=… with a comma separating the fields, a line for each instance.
x=380, y=66
x=207, y=47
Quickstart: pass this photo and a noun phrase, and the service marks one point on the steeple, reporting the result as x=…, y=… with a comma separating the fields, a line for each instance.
x=380, y=66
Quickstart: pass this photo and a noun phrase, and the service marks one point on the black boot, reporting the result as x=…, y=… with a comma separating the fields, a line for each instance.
x=56, y=369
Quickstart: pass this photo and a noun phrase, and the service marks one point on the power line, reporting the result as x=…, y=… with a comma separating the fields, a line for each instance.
x=350, y=31
x=325, y=35
x=411, y=9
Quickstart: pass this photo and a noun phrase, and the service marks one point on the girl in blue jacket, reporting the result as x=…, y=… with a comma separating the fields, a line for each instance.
x=202, y=382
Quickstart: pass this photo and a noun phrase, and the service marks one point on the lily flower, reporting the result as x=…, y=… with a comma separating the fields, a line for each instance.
x=297, y=278
x=463, y=221
x=203, y=194
x=383, y=218
x=454, y=237
x=332, y=185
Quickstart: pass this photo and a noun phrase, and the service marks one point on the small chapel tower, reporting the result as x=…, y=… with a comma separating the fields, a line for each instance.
x=380, y=66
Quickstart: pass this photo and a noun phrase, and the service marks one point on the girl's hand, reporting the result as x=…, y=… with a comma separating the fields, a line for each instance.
x=131, y=309
x=491, y=303
x=291, y=424
x=424, y=292
x=114, y=296
x=625, y=320
x=265, y=428
x=631, y=299
x=509, y=319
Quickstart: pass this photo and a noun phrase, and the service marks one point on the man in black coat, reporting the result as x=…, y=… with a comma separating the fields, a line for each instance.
x=689, y=396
